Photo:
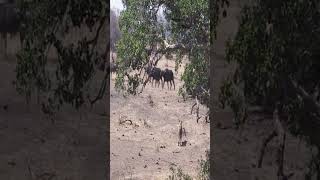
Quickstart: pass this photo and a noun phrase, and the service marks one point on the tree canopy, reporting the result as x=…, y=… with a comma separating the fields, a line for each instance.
x=45, y=24
x=277, y=54
x=188, y=24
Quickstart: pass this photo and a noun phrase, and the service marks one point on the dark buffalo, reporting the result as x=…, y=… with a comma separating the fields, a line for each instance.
x=155, y=75
x=168, y=77
x=148, y=70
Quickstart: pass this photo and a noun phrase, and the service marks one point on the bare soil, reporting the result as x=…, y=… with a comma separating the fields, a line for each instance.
x=148, y=147
x=34, y=148
x=236, y=151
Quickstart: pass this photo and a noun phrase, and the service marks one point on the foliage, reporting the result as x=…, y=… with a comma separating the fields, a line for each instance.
x=277, y=54
x=178, y=174
x=44, y=25
x=203, y=174
x=204, y=164
x=142, y=34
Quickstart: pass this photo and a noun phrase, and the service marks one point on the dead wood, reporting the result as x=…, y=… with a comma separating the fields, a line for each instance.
x=280, y=133
x=264, y=145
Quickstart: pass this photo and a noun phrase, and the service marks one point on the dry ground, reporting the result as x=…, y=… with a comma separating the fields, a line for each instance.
x=147, y=149
x=33, y=148
x=236, y=151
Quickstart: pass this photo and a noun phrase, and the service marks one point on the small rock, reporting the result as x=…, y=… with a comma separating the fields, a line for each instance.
x=139, y=154
x=122, y=134
x=145, y=166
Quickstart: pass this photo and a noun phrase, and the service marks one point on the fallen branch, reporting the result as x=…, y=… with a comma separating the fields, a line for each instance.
x=264, y=146
x=280, y=133
x=281, y=136
x=124, y=121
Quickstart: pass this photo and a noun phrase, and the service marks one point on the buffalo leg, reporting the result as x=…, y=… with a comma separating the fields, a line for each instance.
x=174, y=86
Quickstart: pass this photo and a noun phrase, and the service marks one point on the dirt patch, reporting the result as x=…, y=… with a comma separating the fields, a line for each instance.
x=33, y=148
x=148, y=147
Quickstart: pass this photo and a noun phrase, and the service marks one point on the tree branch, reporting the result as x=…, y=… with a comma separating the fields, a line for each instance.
x=102, y=88
x=59, y=25
x=95, y=38
x=306, y=96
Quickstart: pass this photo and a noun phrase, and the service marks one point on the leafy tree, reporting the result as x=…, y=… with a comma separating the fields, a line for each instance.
x=190, y=28
x=45, y=25
x=277, y=54
x=188, y=24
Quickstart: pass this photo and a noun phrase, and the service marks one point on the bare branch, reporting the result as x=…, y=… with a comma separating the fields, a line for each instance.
x=264, y=145
x=314, y=105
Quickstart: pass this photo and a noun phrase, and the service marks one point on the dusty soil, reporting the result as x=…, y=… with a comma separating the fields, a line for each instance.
x=236, y=152
x=147, y=148
x=73, y=148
